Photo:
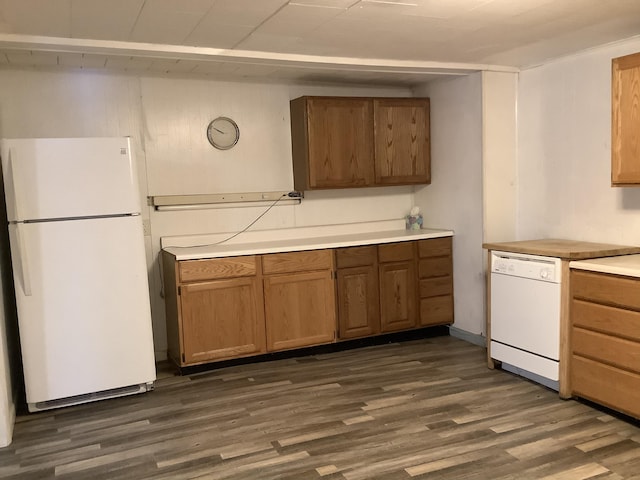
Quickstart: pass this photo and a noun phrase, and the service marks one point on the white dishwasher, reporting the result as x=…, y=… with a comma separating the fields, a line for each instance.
x=525, y=314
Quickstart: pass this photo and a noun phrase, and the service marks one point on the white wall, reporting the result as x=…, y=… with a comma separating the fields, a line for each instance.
x=564, y=152
x=499, y=101
x=167, y=119
x=454, y=198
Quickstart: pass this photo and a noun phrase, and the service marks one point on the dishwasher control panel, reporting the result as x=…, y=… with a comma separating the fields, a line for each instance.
x=535, y=267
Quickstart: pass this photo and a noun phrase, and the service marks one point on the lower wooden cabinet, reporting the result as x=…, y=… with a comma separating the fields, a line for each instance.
x=230, y=307
x=357, y=291
x=221, y=319
x=435, y=270
x=299, y=299
x=397, y=296
x=299, y=310
x=605, y=340
x=214, y=309
x=358, y=302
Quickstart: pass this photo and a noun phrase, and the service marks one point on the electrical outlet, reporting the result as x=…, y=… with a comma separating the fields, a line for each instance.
x=146, y=227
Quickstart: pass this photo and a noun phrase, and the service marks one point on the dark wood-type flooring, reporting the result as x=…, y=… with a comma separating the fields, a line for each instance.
x=420, y=409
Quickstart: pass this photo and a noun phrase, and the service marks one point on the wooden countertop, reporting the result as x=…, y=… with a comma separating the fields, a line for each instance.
x=564, y=249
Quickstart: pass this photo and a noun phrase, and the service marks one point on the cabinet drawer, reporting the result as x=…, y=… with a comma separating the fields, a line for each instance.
x=296, y=261
x=434, y=287
x=606, y=289
x=355, y=256
x=395, y=252
x=610, y=386
x=605, y=319
x=213, y=268
x=607, y=349
x=436, y=310
x=435, y=267
x=434, y=247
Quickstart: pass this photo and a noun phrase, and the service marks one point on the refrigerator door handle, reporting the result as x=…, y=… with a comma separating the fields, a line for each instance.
x=23, y=260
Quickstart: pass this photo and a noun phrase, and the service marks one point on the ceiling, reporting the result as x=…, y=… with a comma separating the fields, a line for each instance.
x=369, y=41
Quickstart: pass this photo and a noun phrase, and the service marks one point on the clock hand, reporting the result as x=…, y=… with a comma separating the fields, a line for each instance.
x=218, y=130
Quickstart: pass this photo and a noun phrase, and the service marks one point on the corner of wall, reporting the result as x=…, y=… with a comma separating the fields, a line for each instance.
x=499, y=155
x=8, y=421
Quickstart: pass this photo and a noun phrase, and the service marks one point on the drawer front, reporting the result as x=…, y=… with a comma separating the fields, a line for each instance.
x=435, y=267
x=434, y=287
x=396, y=252
x=607, y=349
x=610, y=386
x=606, y=289
x=291, y=262
x=605, y=319
x=436, y=310
x=434, y=247
x=355, y=256
x=213, y=268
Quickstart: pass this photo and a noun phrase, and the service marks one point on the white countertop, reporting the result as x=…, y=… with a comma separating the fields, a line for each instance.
x=195, y=252
x=628, y=265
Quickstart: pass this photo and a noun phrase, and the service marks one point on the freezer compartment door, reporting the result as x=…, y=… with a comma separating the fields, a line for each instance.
x=86, y=324
x=68, y=177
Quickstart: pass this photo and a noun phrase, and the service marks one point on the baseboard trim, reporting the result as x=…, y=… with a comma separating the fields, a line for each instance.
x=468, y=336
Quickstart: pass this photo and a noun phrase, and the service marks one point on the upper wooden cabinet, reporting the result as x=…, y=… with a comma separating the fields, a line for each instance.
x=401, y=133
x=331, y=142
x=625, y=120
x=347, y=142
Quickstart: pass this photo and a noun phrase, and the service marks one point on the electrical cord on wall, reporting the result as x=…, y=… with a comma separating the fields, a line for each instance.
x=293, y=194
x=284, y=195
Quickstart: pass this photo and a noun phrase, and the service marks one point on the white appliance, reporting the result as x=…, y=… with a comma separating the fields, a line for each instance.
x=525, y=314
x=79, y=267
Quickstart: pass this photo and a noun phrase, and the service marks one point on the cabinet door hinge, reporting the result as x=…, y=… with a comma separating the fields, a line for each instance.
x=179, y=290
x=183, y=359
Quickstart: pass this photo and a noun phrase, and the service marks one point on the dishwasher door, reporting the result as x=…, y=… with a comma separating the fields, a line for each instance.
x=525, y=312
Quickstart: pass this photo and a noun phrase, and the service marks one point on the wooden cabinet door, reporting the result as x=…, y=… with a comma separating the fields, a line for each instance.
x=339, y=142
x=402, y=141
x=358, y=303
x=221, y=319
x=625, y=120
x=299, y=309
x=397, y=296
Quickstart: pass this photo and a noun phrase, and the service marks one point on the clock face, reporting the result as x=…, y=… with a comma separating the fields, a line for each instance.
x=223, y=133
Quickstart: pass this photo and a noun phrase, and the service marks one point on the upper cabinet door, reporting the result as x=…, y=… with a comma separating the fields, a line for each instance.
x=402, y=143
x=335, y=148
x=625, y=125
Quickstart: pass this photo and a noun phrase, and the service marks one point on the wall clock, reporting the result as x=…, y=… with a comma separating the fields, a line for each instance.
x=223, y=133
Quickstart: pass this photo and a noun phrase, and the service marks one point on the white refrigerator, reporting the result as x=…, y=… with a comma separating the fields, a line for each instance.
x=80, y=275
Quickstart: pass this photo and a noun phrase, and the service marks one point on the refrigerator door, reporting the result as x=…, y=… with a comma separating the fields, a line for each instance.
x=85, y=320
x=52, y=178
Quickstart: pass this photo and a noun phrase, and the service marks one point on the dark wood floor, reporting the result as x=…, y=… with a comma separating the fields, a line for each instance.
x=426, y=408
